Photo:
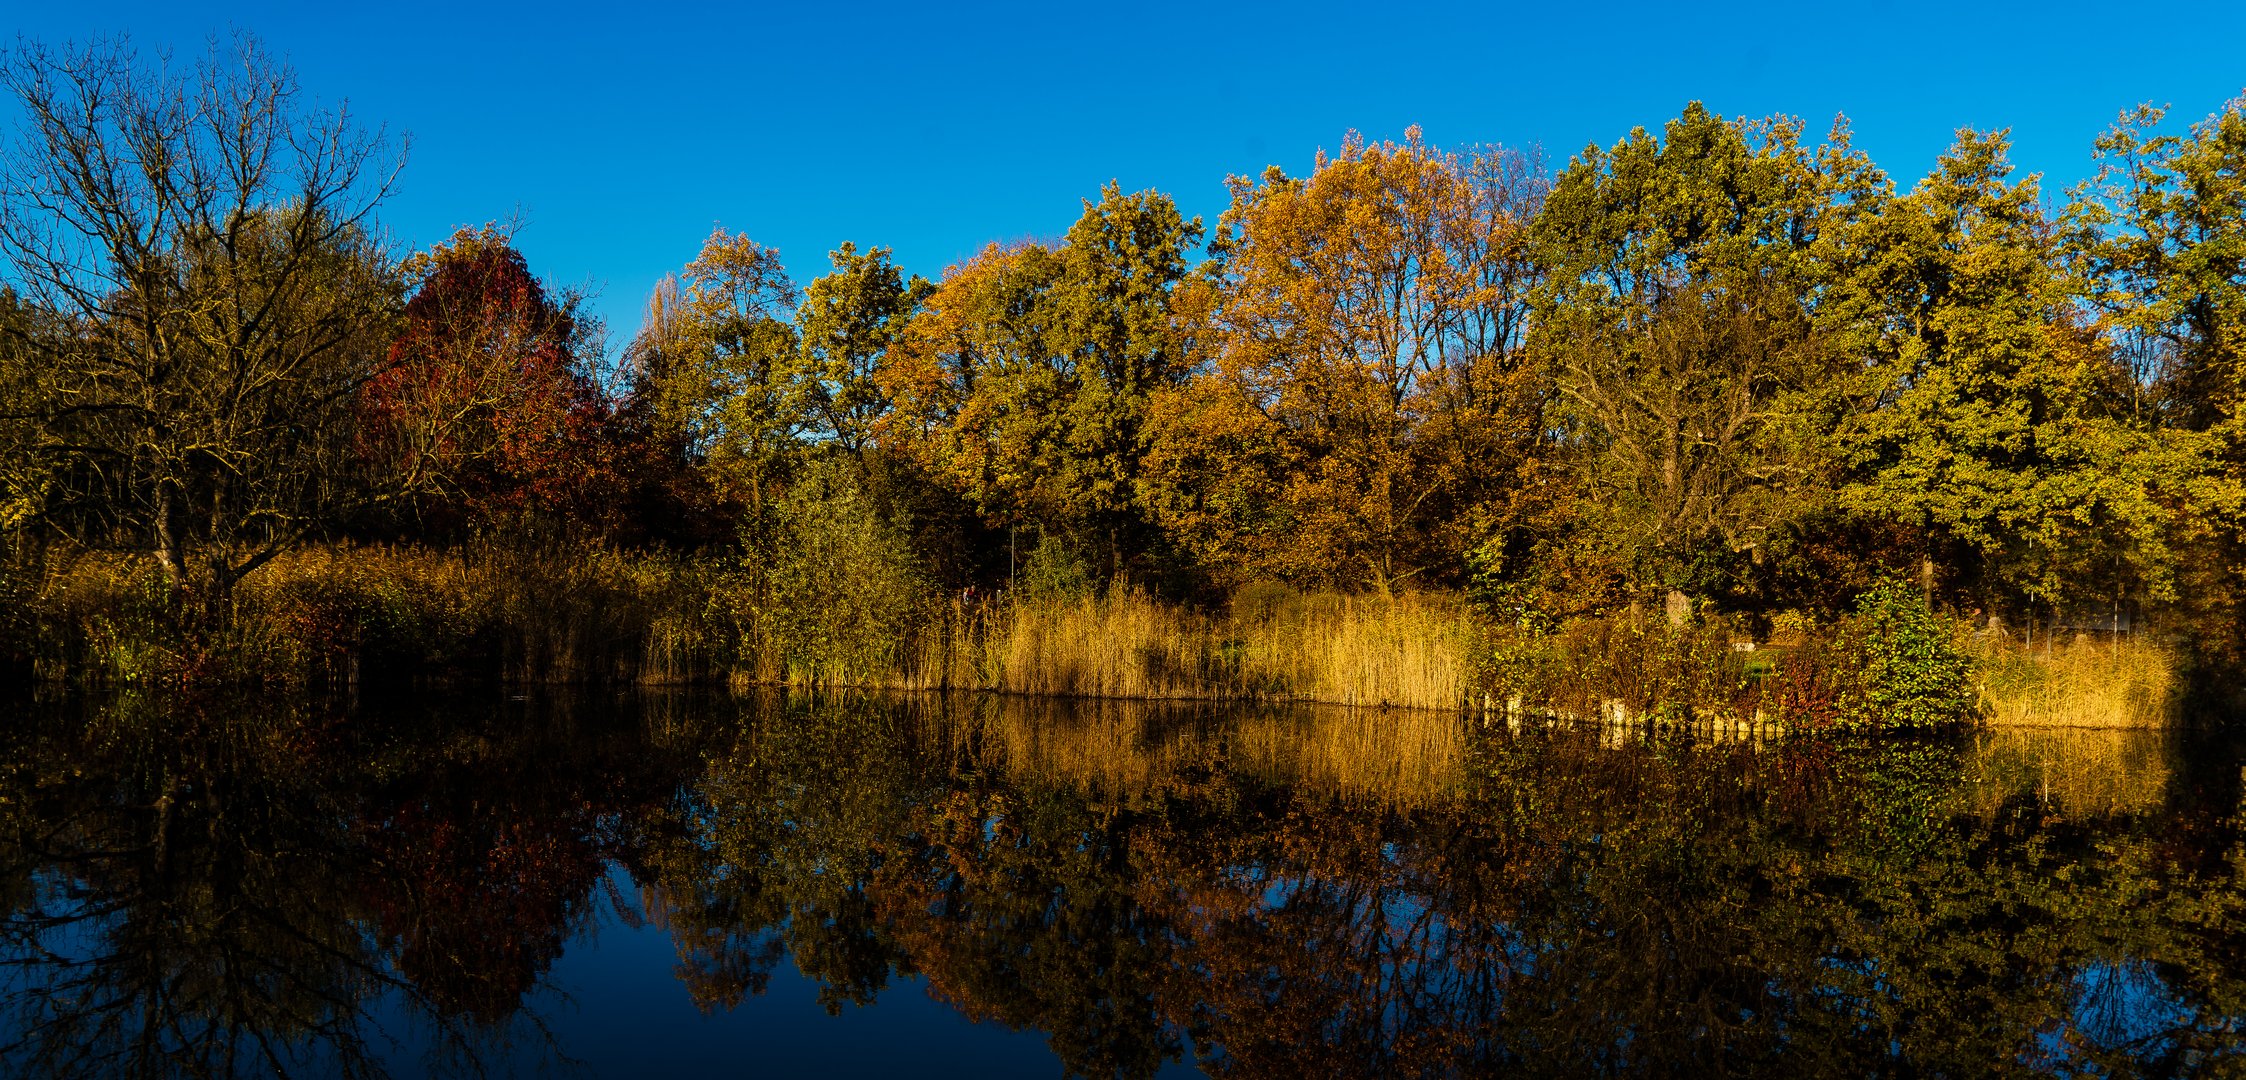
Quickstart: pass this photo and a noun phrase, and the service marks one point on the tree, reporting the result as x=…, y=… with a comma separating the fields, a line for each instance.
x=1369, y=314
x=1027, y=378
x=200, y=244
x=975, y=384
x=1110, y=310
x=2159, y=241
x=716, y=357
x=2002, y=433
x=1700, y=442
x=2161, y=234
x=849, y=321
x=1680, y=315
x=485, y=402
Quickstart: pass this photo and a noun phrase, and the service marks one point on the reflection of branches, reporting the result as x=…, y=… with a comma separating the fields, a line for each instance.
x=125, y=968
x=227, y=903
x=1582, y=909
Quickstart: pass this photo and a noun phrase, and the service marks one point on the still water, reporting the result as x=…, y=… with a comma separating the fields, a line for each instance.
x=983, y=887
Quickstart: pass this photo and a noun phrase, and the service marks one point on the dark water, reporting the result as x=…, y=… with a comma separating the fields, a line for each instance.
x=984, y=887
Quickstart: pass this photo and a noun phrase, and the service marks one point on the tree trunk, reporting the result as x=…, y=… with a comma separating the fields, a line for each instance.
x=1679, y=608
x=168, y=547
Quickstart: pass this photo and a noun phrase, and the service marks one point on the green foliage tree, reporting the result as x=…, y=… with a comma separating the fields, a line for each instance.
x=2158, y=238
x=848, y=322
x=1111, y=311
x=717, y=357
x=1684, y=282
x=2001, y=433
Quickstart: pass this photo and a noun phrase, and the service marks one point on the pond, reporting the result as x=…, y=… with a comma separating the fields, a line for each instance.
x=656, y=884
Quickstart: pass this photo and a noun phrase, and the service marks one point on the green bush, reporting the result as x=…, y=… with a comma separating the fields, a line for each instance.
x=1054, y=573
x=844, y=590
x=1905, y=672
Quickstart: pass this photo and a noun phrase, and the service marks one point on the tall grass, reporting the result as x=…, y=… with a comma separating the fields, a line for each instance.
x=344, y=613
x=333, y=614
x=1268, y=644
x=2124, y=682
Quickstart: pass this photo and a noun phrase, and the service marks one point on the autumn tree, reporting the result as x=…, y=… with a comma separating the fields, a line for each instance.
x=487, y=403
x=201, y=239
x=1028, y=377
x=1361, y=337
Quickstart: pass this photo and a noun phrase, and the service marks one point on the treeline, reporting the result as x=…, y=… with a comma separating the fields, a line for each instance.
x=1720, y=369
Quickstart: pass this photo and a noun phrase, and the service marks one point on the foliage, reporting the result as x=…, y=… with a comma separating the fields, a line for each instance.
x=1364, y=391
x=487, y=403
x=2002, y=433
x=1909, y=674
x=1054, y=573
x=1711, y=369
x=844, y=590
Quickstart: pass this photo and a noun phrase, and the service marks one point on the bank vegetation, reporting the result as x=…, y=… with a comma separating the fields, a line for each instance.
x=1716, y=423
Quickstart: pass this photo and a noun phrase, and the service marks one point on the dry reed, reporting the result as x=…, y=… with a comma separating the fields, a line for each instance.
x=1409, y=651
x=2125, y=682
x=322, y=613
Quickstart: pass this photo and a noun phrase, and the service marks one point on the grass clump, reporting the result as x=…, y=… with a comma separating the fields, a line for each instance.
x=2120, y=682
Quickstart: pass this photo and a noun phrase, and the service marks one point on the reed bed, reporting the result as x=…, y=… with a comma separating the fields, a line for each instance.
x=2122, y=682
x=342, y=613
x=1409, y=651
x=332, y=613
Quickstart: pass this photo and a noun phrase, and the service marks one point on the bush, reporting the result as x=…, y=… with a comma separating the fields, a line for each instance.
x=1054, y=573
x=1895, y=667
x=844, y=590
x=1620, y=670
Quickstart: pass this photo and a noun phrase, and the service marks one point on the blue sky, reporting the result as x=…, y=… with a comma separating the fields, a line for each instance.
x=621, y=134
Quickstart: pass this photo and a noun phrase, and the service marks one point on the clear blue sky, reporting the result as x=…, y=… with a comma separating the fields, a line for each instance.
x=620, y=134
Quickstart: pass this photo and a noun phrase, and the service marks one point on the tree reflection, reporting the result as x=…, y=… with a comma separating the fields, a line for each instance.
x=1276, y=893
x=217, y=891
x=1661, y=906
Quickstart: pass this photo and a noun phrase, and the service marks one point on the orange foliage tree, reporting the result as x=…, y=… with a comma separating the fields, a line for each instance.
x=1362, y=396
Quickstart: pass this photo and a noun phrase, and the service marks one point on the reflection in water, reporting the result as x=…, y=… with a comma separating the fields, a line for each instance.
x=328, y=890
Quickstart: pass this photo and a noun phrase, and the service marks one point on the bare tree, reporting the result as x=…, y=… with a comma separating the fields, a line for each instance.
x=198, y=246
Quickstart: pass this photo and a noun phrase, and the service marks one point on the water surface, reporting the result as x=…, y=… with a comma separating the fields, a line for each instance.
x=652, y=884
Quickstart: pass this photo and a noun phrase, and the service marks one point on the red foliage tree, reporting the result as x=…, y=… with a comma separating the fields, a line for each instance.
x=485, y=404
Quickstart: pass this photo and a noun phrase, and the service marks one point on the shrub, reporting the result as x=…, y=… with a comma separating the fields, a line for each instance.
x=1903, y=667
x=845, y=591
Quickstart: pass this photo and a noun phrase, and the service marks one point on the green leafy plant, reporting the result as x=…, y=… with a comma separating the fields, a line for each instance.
x=1907, y=671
